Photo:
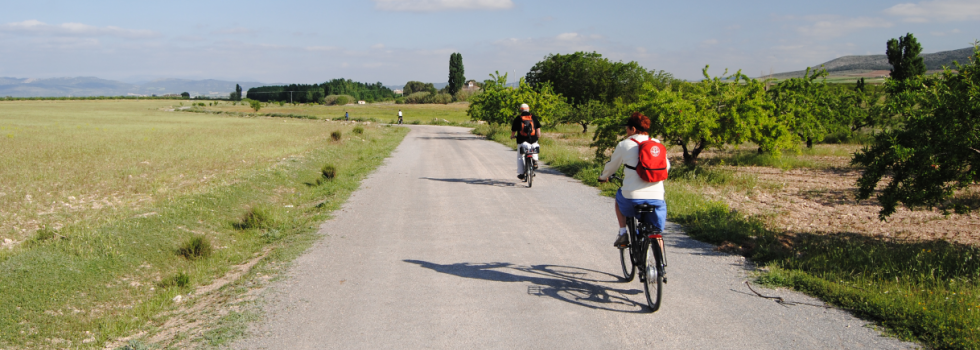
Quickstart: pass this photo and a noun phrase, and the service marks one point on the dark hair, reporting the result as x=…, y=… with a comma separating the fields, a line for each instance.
x=639, y=121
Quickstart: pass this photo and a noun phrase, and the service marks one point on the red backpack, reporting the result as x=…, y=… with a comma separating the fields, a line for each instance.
x=652, y=166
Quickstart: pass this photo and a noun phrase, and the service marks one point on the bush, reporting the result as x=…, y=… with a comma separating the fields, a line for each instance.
x=416, y=98
x=197, y=247
x=255, y=217
x=442, y=98
x=336, y=135
x=464, y=95
x=338, y=100
x=358, y=130
x=181, y=279
x=328, y=172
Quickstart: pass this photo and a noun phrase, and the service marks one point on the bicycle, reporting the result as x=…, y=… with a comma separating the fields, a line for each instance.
x=645, y=243
x=528, y=154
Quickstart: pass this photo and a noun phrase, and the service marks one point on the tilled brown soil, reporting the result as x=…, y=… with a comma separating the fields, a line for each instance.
x=824, y=201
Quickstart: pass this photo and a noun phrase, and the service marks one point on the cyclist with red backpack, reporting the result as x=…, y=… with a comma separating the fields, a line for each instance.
x=646, y=161
x=526, y=129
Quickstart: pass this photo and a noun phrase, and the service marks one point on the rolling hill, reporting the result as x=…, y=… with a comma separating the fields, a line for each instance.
x=856, y=65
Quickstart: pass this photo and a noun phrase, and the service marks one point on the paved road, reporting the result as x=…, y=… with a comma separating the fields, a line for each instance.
x=442, y=247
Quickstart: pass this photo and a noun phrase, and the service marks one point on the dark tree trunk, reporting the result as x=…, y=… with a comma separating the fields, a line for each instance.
x=759, y=151
x=585, y=127
x=809, y=142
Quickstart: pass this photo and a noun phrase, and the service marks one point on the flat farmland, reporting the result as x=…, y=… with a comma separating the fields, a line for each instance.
x=101, y=203
x=381, y=112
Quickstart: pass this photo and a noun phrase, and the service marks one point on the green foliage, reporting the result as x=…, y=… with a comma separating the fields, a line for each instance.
x=338, y=100
x=196, y=247
x=903, y=55
x=336, y=135
x=412, y=87
x=256, y=105
x=418, y=97
x=715, y=112
x=808, y=106
x=581, y=77
x=358, y=130
x=185, y=95
x=134, y=345
x=498, y=104
x=328, y=172
x=938, y=150
x=457, y=75
x=42, y=235
x=315, y=93
x=238, y=93
x=255, y=217
x=180, y=280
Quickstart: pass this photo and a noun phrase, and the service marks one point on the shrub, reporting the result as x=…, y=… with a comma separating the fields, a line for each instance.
x=255, y=217
x=196, y=247
x=336, y=135
x=338, y=100
x=442, y=98
x=416, y=98
x=358, y=130
x=181, y=279
x=328, y=172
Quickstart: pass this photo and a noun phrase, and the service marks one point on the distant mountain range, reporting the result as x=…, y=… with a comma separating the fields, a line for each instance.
x=852, y=65
x=91, y=86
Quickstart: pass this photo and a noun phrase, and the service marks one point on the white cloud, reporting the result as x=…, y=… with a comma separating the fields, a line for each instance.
x=441, y=5
x=937, y=10
x=568, y=36
x=378, y=46
x=35, y=27
x=828, y=27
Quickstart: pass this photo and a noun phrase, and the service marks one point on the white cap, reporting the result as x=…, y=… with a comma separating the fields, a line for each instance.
x=525, y=107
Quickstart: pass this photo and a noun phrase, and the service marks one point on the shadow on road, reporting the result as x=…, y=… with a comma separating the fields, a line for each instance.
x=459, y=138
x=488, y=182
x=569, y=284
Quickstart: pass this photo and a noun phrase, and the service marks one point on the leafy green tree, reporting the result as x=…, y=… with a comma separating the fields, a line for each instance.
x=809, y=107
x=238, y=92
x=185, y=95
x=457, y=75
x=727, y=110
x=255, y=104
x=903, y=55
x=938, y=150
x=413, y=86
x=498, y=104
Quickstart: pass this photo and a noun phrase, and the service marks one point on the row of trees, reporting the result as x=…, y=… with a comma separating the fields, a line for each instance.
x=315, y=93
x=924, y=128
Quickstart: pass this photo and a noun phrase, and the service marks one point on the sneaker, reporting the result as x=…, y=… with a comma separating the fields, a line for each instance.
x=622, y=241
x=520, y=176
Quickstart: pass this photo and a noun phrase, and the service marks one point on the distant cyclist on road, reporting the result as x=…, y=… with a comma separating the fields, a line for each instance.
x=526, y=128
x=635, y=190
x=399, y=116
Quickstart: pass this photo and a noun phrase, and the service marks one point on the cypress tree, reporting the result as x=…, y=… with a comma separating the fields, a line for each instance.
x=903, y=55
x=456, y=75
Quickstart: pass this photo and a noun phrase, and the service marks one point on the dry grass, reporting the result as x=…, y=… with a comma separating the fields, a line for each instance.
x=65, y=162
x=383, y=112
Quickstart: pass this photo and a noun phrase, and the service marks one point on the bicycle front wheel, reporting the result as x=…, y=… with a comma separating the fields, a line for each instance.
x=528, y=171
x=653, y=286
x=626, y=258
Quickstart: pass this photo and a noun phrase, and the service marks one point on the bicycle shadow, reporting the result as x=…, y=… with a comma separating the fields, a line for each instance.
x=471, y=181
x=573, y=285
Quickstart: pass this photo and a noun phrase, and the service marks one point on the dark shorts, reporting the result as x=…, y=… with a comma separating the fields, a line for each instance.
x=657, y=218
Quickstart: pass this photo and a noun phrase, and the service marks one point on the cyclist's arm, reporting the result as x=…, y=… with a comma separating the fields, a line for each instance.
x=614, y=163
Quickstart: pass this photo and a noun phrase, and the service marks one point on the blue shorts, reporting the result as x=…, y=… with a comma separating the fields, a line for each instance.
x=657, y=218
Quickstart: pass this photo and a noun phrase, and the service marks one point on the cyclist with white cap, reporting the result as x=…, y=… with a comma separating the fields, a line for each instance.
x=526, y=128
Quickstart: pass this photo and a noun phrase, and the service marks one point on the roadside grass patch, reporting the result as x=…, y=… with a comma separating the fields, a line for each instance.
x=179, y=280
x=336, y=135
x=196, y=247
x=256, y=217
x=926, y=291
x=358, y=130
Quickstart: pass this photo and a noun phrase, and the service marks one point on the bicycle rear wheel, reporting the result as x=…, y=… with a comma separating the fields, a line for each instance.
x=653, y=286
x=528, y=171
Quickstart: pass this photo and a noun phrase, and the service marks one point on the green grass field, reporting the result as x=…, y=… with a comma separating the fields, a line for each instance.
x=453, y=113
x=111, y=209
x=926, y=291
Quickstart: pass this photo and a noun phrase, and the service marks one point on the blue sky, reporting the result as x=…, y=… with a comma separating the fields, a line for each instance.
x=393, y=41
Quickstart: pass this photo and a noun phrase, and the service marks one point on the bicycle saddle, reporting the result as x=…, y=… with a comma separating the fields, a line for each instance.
x=644, y=208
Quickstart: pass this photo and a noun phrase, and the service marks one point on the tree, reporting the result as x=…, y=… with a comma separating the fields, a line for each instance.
x=727, y=110
x=903, y=55
x=585, y=77
x=498, y=104
x=256, y=105
x=457, y=75
x=185, y=95
x=238, y=92
x=938, y=150
x=418, y=86
x=808, y=105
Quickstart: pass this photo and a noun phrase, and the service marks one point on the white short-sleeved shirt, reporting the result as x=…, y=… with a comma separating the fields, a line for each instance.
x=628, y=152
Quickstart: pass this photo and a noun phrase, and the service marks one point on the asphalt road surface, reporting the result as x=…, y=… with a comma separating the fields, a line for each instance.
x=443, y=247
